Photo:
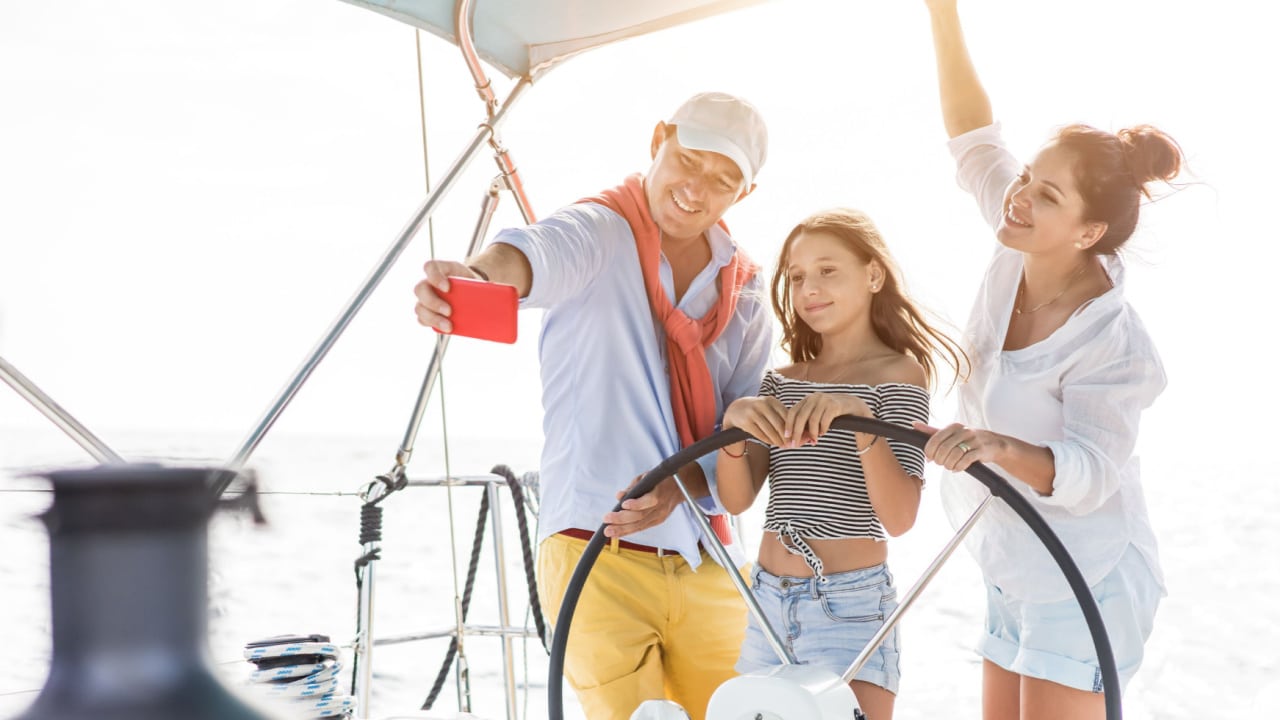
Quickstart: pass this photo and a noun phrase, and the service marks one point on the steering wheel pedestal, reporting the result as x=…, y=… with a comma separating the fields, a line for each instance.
x=785, y=692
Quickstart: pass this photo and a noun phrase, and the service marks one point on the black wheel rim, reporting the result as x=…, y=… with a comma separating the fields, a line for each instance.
x=998, y=486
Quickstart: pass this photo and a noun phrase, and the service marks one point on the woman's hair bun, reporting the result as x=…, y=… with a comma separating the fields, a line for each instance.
x=1150, y=153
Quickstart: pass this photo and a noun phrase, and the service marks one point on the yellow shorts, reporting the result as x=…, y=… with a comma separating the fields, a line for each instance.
x=646, y=627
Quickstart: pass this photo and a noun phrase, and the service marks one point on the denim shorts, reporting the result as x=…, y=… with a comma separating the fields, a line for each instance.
x=1051, y=641
x=826, y=623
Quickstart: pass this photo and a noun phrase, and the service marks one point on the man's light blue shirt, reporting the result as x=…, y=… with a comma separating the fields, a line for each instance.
x=605, y=392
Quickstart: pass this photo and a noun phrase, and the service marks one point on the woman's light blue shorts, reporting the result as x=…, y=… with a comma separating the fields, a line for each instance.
x=826, y=623
x=1051, y=641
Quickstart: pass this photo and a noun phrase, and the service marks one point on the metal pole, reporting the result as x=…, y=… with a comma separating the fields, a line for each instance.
x=364, y=642
x=376, y=276
x=484, y=86
x=462, y=31
x=722, y=554
x=377, y=490
x=60, y=417
x=915, y=591
x=511, y=178
x=487, y=209
x=452, y=631
x=452, y=481
x=508, y=653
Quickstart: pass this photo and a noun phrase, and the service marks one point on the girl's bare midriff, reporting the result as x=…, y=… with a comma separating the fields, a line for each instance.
x=837, y=555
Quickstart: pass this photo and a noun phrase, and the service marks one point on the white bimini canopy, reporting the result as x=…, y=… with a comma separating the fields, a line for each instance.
x=524, y=38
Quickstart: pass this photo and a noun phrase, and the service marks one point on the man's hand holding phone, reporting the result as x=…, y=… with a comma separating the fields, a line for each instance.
x=452, y=301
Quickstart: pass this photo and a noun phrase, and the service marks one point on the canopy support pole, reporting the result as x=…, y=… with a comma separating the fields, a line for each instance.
x=421, y=215
x=487, y=209
x=60, y=417
x=484, y=88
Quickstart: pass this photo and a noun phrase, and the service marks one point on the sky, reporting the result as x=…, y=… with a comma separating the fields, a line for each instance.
x=189, y=194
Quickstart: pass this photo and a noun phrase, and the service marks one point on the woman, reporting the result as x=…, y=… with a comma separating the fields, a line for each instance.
x=1062, y=370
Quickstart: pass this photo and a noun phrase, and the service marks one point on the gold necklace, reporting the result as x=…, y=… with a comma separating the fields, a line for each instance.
x=1023, y=285
x=838, y=378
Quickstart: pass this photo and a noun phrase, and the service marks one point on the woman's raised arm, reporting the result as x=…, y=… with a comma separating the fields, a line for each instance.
x=965, y=105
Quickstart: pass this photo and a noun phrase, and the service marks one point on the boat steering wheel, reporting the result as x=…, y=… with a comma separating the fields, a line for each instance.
x=998, y=486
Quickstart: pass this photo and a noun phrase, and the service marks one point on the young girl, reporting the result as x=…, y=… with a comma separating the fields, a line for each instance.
x=861, y=347
x=1063, y=369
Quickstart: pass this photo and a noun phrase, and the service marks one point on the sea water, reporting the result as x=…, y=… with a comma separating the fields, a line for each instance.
x=1213, y=652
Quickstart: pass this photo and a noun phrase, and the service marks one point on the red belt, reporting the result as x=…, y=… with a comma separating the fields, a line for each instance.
x=625, y=544
x=721, y=532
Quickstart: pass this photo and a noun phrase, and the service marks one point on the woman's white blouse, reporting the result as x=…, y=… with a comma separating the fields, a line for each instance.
x=1079, y=393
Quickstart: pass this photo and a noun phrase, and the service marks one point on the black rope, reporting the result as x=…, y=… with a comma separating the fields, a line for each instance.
x=476, y=544
x=370, y=532
x=526, y=552
x=370, y=523
x=996, y=484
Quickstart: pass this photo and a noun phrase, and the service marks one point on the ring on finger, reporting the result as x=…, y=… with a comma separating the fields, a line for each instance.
x=964, y=447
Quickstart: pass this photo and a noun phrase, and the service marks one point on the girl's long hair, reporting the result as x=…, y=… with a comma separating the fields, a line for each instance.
x=895, y=319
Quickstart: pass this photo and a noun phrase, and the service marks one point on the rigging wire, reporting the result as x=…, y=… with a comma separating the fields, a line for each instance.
x=464, y=694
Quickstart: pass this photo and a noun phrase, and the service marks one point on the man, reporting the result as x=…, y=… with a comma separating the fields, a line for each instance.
x=655, y=321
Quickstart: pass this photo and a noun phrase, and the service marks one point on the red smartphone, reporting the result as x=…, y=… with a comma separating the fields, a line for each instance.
x=482, y=310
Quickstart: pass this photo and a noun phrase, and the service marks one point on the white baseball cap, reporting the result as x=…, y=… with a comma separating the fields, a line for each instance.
x=724, y=124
